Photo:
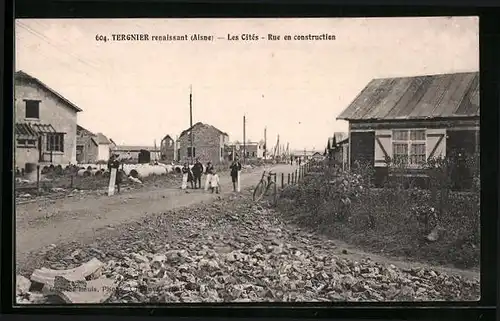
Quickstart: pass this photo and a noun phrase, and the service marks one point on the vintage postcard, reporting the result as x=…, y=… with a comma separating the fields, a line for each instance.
x=246, y=160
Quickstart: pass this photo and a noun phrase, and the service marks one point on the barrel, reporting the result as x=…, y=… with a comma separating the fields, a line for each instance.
x=30, y=171
x=30, y=168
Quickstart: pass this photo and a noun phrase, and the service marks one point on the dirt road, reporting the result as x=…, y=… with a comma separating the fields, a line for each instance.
x=41, y=224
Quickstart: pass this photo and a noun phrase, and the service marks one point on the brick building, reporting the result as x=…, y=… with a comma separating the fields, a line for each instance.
x=45, y=123
x=209, y=144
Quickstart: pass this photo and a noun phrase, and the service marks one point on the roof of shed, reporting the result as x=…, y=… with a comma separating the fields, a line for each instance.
x=83, y=131
x=23, y=75
x=421, y=97
x=101, y=139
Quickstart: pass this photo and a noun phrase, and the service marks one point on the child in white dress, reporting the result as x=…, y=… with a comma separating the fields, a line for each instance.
x=214, y=182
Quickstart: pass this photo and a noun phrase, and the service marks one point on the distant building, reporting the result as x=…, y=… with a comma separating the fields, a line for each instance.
x=45, y=123
x=412, y=119
x=90, y=147
x=317, y=156
x=338, y=149
x=254, y=150
x=167, y=149
x=131, y=153
x=208, y=144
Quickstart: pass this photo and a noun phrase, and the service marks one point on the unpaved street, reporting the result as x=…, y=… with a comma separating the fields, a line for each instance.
x=41, y=224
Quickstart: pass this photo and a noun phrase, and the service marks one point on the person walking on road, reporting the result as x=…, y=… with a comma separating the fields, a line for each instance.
x=209, y=170
x=197, y=172
x=235, y=169
x=114, y=163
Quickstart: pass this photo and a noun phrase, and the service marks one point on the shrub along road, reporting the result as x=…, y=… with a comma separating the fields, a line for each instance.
x=44, y=223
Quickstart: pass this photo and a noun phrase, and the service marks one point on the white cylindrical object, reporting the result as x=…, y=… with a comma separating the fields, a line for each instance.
x=207, y=182
x=184, y=181
x=238, y=182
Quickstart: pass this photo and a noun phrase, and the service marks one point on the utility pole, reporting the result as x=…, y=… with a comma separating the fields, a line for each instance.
x=244, y=140
x=191, y=121
x=278, y=146
x=265, y=142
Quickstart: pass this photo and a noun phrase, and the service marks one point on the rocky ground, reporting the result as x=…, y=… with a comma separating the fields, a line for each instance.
x=232, y=250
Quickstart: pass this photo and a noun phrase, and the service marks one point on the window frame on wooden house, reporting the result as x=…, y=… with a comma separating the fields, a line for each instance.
x=405, y=143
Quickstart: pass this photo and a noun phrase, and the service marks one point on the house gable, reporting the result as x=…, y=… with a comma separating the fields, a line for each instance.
x=22, y=77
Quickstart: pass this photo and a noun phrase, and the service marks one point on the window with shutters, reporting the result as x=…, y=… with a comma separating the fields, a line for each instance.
x=409, y=147
x=55, y=142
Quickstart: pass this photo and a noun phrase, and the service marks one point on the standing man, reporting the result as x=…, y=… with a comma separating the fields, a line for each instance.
x=197, y=171
x=114, y=163
x=235, y=174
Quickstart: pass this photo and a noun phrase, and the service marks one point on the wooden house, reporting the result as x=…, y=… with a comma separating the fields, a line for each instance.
x=413, y=119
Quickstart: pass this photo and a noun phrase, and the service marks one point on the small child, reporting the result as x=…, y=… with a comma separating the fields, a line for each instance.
x=214, y=182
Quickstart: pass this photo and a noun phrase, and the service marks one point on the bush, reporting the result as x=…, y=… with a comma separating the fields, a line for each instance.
x=394, y=219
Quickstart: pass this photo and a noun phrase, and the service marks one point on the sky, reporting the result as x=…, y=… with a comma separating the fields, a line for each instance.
x=138, y=92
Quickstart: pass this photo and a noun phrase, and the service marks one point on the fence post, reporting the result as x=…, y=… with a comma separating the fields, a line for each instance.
x=288, y=181
x=274, y=179
x=293, y=179
x=282, y=180
x=38, y=179
x=72, y=178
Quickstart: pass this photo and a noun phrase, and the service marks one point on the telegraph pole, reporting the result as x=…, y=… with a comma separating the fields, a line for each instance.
x=265, y=142
x=191, y=121
x=244, y=140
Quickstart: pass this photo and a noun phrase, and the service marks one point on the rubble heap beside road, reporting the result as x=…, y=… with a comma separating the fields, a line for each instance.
x=233, y=250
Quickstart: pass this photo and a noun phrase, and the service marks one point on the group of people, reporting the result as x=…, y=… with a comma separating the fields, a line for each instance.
x=190, y=175
x=193, y=175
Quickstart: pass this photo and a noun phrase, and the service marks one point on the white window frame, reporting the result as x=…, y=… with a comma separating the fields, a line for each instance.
x=409, y=142
x=26, y=142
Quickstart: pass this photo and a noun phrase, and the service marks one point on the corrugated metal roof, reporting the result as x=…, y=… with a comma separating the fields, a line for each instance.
x=23, y=75
x=422, y=97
